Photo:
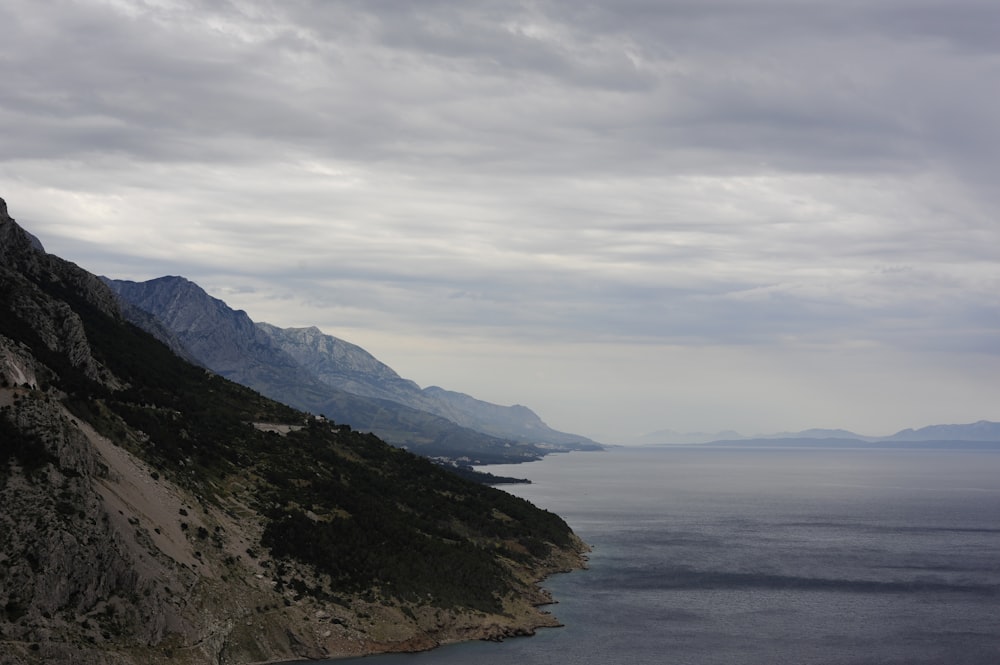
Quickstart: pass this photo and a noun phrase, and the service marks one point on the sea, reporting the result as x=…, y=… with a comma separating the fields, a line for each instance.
x=764, y=556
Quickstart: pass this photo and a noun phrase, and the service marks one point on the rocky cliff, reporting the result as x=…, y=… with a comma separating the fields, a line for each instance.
x=38, y=315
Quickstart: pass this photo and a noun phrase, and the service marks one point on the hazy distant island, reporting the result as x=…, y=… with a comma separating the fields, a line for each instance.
x=983, y=434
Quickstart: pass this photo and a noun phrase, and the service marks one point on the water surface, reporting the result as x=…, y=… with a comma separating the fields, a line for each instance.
x=762, y=556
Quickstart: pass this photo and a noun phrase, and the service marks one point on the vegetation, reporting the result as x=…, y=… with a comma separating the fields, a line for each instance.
x=371, y=515
x=27, y=450
x=485, y=477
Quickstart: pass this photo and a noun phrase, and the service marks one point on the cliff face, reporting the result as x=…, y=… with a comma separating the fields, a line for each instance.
x=75, y=574
x=35, y=313
x=224, y=340
x=72, y=572
x=340, y=364
x=154, y=513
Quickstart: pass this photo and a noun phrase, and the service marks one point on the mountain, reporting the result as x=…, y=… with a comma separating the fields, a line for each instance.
x=323, y=374
x=983, y=430
x=155, y=512
x=339, y=363
x=982, y=434
x=667, y=436
x=348, y=367
x=979, y=435
x=793, y=442
x=818, y=433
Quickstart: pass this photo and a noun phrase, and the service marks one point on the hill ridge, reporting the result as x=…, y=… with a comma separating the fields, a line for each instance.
x=311, y=370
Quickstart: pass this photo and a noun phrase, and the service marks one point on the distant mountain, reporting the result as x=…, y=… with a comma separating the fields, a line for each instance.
x=229, y=343
x=517, y=422
x=983, y=430
x=667, y=436
x=219, y=338
x=980, y=435
x=338, y=363
x=817, y=433
x=350, y=368
x=154, y=512
x=322, y=374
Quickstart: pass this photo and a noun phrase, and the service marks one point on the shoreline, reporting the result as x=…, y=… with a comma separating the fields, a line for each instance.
x=490, y=627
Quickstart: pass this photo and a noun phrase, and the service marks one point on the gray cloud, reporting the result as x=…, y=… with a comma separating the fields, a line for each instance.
x=514, y=197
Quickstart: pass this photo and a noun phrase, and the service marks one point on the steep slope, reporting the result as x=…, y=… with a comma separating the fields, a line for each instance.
x=518, y=422
x=339, y=363
x=228, y=342
x=48, y=323
x=348, y=367
x=224, y=340
x=154, y=512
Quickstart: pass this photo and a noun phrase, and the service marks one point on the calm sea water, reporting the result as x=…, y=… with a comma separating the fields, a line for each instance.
x=766, y=556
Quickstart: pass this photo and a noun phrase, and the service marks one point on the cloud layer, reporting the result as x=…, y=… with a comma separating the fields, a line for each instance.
x=628, y=215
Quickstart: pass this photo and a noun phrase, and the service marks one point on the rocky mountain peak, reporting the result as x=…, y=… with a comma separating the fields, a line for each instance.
x=23, y=252
x=325, y=354
x=15, y=242
x=29, y=275
x=17, y=234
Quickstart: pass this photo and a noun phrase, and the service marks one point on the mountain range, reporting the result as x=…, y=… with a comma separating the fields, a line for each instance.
x=322, y=374
x=977, y=434
x=155, y=512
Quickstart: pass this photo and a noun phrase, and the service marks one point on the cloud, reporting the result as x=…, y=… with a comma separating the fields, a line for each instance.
x=773, y=178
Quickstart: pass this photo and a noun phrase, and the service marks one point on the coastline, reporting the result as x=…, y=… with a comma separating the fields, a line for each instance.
x=523, y=616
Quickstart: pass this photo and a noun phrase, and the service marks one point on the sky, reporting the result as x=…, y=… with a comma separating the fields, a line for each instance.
x=628, y=215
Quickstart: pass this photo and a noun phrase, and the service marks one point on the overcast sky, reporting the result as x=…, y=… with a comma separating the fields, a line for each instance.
x=627, y=215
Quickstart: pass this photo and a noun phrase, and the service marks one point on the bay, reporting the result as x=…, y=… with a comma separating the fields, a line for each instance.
x=753, y=556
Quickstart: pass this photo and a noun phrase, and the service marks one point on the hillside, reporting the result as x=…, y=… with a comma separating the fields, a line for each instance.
x=156, y=512
x=323, y=374
x=345, y=366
